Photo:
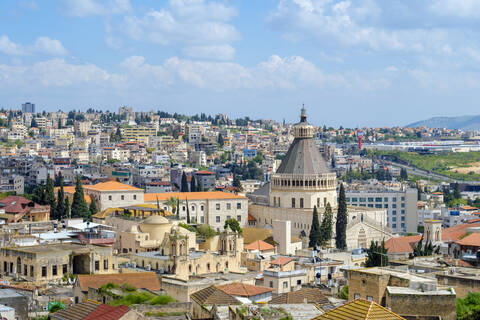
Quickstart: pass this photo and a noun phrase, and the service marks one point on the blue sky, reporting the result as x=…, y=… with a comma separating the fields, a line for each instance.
x=353, y=63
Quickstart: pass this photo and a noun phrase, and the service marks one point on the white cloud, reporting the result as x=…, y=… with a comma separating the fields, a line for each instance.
x=9, y=47
x=48, y=46
x=198, y=27
x=456, y=8
x=42, y=45
x=84, y=8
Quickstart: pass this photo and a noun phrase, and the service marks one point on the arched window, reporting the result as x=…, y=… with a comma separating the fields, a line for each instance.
x=208, y=266
x=190, y=268
x=19, y=265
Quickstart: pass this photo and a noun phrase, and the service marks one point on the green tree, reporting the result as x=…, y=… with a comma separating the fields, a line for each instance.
x=221, y=142
x=403, y=174
x=38, y=195
x=326, y=226
x=60, y=209
x=188, y=211
x=315, y=235
x=342, y=219
x=193, y=184
x=79, y=205
x=468, y=308
x=377, y=255
x=456, y=191
x=67, y=208
x=172, y=203
x=184, y=184
x=49, y=197
x=233, y=225
x=93, y=207
x=236, y=182
x=206, y=231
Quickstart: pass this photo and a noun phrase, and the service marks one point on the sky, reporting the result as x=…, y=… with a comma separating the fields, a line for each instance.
x=352, y=63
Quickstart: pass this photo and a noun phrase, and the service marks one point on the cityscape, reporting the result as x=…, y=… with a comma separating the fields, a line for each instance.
x=202, y=188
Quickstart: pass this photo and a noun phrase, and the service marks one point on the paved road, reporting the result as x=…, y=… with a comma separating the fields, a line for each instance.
x=422, y=173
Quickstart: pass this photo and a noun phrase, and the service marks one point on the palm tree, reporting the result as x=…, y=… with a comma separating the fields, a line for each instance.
x=172, y=203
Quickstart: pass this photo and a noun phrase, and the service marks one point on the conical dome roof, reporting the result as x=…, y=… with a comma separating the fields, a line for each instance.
x=303, y=156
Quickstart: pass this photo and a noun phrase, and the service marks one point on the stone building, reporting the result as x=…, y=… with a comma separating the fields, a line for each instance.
x=50, y=262
x=212, y=208
x=181, y=257
x=304, y=181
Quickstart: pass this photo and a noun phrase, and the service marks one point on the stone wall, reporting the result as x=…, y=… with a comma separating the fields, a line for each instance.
x=462, y=285
x=423, y=304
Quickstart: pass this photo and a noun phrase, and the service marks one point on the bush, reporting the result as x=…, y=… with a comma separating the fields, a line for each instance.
x=343, y=294
x=133, y=298
x=128, y=288
x=206, y=231
x=161, y=300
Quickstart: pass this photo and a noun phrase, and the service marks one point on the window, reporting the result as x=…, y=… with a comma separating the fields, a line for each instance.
x=285, y=284
x=271, y=284
x=31, y=271
x=122, y=197
x=201, y=207
x=5, y=266
x=25, y=270
x=394, y=225
x=239, y=205
x=403, y=218
x=394, y=199
x=363, y=199
x=184, y=208
x=105, y=264
x=193, y=208
x=54, y=270
x=370, y=205
x=202, y=219
x=134, y=197
x=402, y=211
x=394, y=212
x=217, y=206
x=370, y=199
x=64, y=269
x=385, y=199
x=239, y=218
x=44, y=271
x=378, y=205
x=229, y=206
x=356, y=295
x=293, y=202
x=110, y=198
x=385, y=205
x=394, y=219
x=217, y=219
x=394, y=205
x=347, y=199
x=301, y=202
x=228, y=217
x=378, y=199
x=403, y=198
x=354, y=199
x=403, y=205
x=97, y=265
x=369, y=298
x=299, y=282
x=403, y=225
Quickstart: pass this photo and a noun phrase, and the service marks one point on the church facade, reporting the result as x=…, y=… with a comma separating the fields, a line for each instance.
x=304, y=181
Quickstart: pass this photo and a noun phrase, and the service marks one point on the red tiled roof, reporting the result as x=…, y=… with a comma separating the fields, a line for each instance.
x=472, y=240
x=402, y=244
x=455, y=232
x=281, y=261
x=243, y=290
x=106, y=312
x=204, y=172
x=259, y=245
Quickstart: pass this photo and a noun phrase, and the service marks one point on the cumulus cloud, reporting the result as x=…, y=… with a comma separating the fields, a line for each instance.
x=456, y=8
x=84, y=8
x=200, y=28
x=42, y=45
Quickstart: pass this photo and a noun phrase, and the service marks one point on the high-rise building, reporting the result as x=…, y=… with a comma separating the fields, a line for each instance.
x=28, y=107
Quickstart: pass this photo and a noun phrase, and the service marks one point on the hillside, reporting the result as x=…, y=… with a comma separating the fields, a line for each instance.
x=461, y=122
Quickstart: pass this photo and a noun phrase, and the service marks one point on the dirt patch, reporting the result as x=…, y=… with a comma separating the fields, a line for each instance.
x=472, y=167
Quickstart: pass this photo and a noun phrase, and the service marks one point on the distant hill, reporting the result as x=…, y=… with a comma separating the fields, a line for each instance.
x=460, y=122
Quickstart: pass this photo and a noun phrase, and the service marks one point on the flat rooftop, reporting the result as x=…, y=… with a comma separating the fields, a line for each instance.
x=395, y=273
x=54, y=247
x=403, y=290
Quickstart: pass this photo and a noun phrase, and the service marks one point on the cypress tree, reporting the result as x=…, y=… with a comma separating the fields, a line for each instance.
x=342, y=219
x=315, y=236
x=188, y=212
x=79, y=205
x=236, y=182
x=193, y=184
x=93, y=206
x=221, y=142
x=39, y=195
x=60, y=211
x=184, y=185
x=456, y=191
x=326, y=226
x=67, y=208
x=178, y=209
x=199, y=186
x=49, y=197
